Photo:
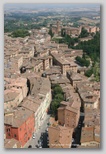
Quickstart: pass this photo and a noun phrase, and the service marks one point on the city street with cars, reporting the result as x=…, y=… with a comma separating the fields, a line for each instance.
x=40, y=138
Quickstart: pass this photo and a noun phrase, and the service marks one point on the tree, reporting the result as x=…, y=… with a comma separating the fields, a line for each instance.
x=87, y=63
x=89, y=72
x=57, y=90
x=63, y=32
x=92, y=49
x=96, y=71
x=84, y=33
x=57, y=98
x=20, y=33
x=82, y=61
x=50, y=33
x=54, y=106
x=72, y=42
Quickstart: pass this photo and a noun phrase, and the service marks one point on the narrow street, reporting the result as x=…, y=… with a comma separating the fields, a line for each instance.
x=45, y=140
x=42, y=130
x=77, y=136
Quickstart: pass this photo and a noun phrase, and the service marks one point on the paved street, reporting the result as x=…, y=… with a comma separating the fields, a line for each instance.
x=34, y=142
x=45, y=140
x=78, y=132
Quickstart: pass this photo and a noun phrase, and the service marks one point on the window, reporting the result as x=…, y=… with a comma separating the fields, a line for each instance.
x=15, y=135
x=60, y=123
x=8, y=134
x=8, y=129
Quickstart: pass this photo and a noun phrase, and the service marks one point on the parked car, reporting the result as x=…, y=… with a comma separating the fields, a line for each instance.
x=37, y=146
x=33, y=136
x=40, y=146
x=40, y=142
x=41, y=134
x=47, y=137
x=30, y=146
x=79, y=126
x=73, y=140
x=48, y=124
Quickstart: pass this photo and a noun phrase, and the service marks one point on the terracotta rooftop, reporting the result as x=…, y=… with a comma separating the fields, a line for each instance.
x=71, y=109
x=87, y=134
x=92, y=117
x=53, y=70
x=30, y=103
x=19, y=116
x=60, y=137
x=88, y=97
x=65, y=103
x=39, y=86
x=89, y=147
x=16, y=82
x=59, y=79
x=90, y=134
x=11, y=143
x=10, y=95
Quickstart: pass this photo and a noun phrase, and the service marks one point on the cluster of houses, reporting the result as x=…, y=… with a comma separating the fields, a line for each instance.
x=31, y=66
x=72, y=31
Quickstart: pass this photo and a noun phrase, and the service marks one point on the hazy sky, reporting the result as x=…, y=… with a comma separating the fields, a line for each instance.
x=60, y=5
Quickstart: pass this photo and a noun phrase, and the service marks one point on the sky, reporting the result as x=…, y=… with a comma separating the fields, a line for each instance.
x=46, y=5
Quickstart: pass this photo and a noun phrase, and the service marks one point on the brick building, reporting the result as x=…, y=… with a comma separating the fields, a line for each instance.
x=91, y=29
x=19, y=125
x=89, y=137
x=66, y=64
x=60, y=137
x=39, y=99
x=67, y=116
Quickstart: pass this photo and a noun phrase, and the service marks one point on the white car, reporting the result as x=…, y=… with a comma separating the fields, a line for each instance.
x=40, y=147
x=33, y=136
x=73, y=140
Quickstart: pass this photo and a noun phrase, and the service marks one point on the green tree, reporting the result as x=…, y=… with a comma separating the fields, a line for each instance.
x=89, y=72
x=84, y=33
x=57, y=98
x=54, y=106
x=57, y=90
x=50, y=33
x=63, y=32
x=20, y=33
x=82, y=61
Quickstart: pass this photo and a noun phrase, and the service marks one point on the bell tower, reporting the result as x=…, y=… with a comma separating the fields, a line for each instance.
x=58, y=26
